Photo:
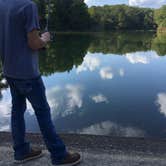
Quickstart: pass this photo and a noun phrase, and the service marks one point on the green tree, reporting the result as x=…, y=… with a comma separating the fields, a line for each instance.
x=121, y=17
x=160, y=16
x=65, y=15
x=70, y=15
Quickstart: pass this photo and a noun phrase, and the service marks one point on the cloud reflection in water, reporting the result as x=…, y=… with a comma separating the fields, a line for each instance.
x=111, y=128
x=5, y=111
x=141, y=57
x=65, y=100
x=161, y=101
x=121, y=72
x=90, y=63
x=106, y=73
x=100, y=98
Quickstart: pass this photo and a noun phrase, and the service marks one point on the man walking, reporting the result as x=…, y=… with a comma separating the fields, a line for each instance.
x=19, y=45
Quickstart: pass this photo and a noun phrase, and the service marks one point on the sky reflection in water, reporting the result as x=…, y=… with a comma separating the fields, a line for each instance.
x=105, y=94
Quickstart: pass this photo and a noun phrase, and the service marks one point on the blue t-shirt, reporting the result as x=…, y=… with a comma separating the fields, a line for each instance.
x=17, y=18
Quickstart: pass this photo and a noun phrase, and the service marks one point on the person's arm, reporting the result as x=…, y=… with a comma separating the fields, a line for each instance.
x=35, y=42
x=32, y=26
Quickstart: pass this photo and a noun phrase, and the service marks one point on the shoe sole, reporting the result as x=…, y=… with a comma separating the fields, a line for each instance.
x=28, y=159
x=71, y=164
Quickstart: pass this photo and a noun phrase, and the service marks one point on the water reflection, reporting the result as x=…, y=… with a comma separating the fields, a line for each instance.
x=5, y=106
x=141, y=57
x=122, y=43
x=103, y=83
x=65, y=100
x=66, y=52
x=161, y=102
x=158, y=44
x=121, y=72
x=99, y=98
x=110, y=128
x=106, y=73
x=70, y=50
x=90, y=63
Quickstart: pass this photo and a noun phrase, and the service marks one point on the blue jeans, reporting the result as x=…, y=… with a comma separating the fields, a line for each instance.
x=34, y=91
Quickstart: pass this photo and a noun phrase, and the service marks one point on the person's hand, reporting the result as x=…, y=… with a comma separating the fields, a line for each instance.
x=46, y=37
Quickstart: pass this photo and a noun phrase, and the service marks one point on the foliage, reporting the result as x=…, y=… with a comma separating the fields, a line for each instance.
x=160, y=16
x=121, y=17
x=74, y=15
x=65, y=15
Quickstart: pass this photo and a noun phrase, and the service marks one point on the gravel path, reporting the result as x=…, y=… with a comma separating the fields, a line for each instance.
x=96, y=150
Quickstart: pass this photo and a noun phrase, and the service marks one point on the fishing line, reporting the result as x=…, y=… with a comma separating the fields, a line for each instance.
x=48, y=16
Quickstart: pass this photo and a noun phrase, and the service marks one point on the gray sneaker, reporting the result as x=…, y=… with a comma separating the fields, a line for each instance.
x=34, y=154
x=71, y=159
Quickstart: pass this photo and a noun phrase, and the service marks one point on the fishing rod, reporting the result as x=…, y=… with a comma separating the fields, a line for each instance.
x=48, y=16
x=46, y=29
x=52, y=34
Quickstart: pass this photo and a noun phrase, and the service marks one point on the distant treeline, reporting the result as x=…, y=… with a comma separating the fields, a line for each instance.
x=74, y=15
x=122, y=17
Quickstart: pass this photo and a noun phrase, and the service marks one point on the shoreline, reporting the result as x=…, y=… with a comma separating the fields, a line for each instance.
x=95, y=142
x=98, y=32
x=95, y=150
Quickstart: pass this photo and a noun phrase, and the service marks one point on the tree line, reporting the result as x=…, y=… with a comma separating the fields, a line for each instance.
x=160, y=17
x=74, y=15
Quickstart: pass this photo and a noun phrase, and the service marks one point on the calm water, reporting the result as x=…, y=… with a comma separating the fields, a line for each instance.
x=104, y=83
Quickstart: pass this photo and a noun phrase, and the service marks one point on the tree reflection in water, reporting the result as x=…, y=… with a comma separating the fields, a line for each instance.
x=69, y=50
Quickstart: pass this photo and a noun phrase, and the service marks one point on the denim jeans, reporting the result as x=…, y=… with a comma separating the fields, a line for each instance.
x=34, y=91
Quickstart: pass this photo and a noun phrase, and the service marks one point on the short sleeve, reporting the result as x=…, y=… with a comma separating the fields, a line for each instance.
x=31, y=17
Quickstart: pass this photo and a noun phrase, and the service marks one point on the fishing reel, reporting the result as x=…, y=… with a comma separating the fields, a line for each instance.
x=52, y=38
x=52, y=35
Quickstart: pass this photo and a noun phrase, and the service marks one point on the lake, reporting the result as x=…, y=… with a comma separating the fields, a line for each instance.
x=111, y=83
